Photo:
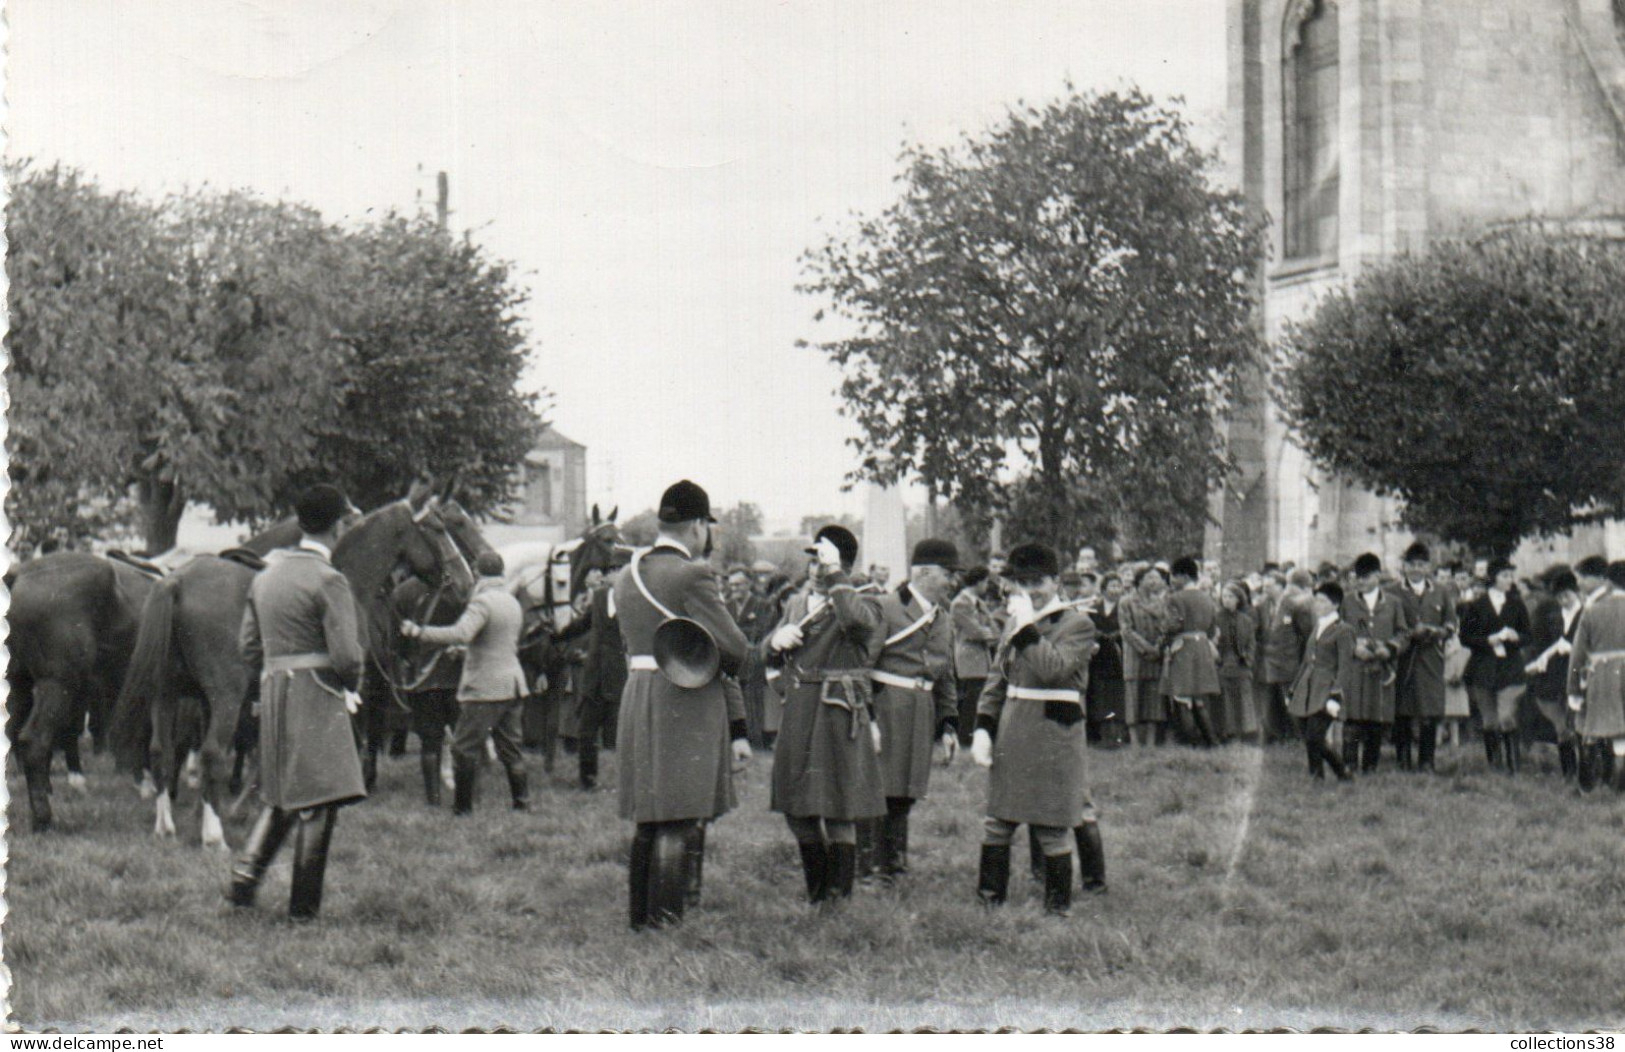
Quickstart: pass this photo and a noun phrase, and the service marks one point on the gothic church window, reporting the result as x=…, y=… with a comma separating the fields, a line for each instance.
x=1309, y=117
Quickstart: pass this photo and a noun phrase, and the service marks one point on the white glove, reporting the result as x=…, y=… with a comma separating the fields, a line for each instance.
x=352, y=702
x=1333, y=708
x=981, y=747
x=1576, y=702
x=1020, y=608
x=1563, y=647
x=410, y=629
x=786, y=637
x=741, y=754
x=829, y=556
x=949, y=744
x=874, y=735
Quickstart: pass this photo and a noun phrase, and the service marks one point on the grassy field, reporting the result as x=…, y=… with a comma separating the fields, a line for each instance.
x=1242, y=896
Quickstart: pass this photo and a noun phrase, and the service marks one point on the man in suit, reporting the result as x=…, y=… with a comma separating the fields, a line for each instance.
x=1382, y=634
x=1493, y=627
x=915, y=698
x=975, y=635
x=1323, y=679
x=301, y=638
x=1553, y=625
x=678, y=746
x=492, y=688
x=1287, y=622
x=1596, y=682
x=603, y=678
x=1419, y=702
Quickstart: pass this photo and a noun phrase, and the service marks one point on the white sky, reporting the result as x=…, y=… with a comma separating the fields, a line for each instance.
x=653, y=169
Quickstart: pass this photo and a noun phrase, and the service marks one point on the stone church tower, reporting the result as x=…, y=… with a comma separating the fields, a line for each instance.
x=1366, y=128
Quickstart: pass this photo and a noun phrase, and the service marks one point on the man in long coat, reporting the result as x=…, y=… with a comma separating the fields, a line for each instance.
x=603, y=680
x=826, y=766
x=677, y=745
x=1190, y=637
x=1597, y=674
x=1419, y=698
x=1315, y=698
x=301, y=640
x=1381, y=635
x=1030, y=732
x=915, y=698
x=1286, y=622
x=1494, y=626
x=1553, y=625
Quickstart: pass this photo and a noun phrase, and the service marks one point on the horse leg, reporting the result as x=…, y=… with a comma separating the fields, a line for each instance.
x=225, y=688
x=40, y=734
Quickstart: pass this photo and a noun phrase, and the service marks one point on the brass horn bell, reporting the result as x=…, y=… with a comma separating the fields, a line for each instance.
x=686, y=653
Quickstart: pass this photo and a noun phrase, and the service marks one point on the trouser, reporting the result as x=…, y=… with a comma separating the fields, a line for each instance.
x=432, y=712
x=1362, y=744
x=1497, y=709
x=1313, y=729
x=1052, y=840
x=477, y=720
x=664, y=871
x=1274, y=721
x=591, y=726
x=1420, y=733
x=829, y=849
x=541, y=724
x=970, y=692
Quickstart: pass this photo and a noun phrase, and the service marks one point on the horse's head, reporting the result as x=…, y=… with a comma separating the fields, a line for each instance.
x=601, y=548
x=464, y=530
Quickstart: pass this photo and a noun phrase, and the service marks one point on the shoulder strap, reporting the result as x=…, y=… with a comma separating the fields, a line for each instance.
x=637, y=579
x=923, y=620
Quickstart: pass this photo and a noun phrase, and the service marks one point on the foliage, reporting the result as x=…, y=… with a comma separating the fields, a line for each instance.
x=732, y=535
x=811, y=524
x=640, y=530
x=227, y=350
x=1061, y=303
x=1481, y=382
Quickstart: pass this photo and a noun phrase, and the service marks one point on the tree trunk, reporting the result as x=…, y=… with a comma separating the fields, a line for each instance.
x=161, y=506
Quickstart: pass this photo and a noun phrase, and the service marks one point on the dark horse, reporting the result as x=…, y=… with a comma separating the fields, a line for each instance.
x=187, y=648
x=73, y=625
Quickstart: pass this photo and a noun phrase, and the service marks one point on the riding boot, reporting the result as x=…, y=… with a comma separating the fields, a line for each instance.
x=1585, y=775
x=1035, y=855
x=1492, y=748
x=1427, y=744
x=1091, y=858
x=1351, y=748
x=1372, y=748
x=1567, y=760
x=1403, y=734
x=1618, y=773
x=668, y=874
x=587, y=764
x=694, y=851
x=310, y=843
x=868, y=847
x=397, y=744
x=638, y=875
x=815, y=867
x=993, y=875
x=1513, y=749
x=1204, y=725
x=264, y=839
x=894, y=844
x=519, y=788
x=429, y=764
x=369, y=766
x=1058, y=885
x=463, y=773
x=843, y=861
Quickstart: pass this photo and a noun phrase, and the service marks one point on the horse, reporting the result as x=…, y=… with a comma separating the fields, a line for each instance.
x=73, y=619
x=188, y=647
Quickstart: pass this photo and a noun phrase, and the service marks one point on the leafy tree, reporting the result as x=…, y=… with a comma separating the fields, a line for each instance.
x=811, y=524
x=640, y=530
x=1482, y=382
x=1063, y=299
x=735, y=527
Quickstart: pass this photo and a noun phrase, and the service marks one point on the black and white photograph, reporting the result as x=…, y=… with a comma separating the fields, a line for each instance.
x=814, y=515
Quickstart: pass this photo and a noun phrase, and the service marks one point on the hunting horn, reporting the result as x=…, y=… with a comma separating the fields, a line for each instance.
x=684, y=650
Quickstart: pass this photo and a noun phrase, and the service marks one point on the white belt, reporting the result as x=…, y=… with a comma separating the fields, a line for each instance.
x=642, y=663
x=1044, y=694
x=891, y=679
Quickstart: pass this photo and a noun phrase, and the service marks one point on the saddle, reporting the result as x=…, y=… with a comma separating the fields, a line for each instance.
x=150, y=569
x=244, y=557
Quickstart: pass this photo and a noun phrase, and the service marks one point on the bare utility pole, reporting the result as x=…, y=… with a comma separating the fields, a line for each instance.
x=442, y=201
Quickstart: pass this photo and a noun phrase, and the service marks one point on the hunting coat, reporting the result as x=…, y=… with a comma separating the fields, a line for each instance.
x=1326, y=672
x=1547, y=625
x=1370, y=691
x=1486, y=669
x=489, y=627
x=1032, y=705
x=1192, y=669
x=919, y=646
x=824, y=763
x=300, y=635
x=1286, y=626
x=603, y=668
x=673, y=741
x=1431, y=614
x=1597, y=668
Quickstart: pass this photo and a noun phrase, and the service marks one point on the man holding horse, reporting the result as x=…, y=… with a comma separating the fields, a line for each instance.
x=301, y=638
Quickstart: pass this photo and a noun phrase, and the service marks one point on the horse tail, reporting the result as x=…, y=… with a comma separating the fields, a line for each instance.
x=148, y=678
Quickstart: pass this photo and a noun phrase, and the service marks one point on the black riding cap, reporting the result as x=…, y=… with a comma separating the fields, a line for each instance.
x=1032, y=561
x=934, y=552
x=684, y=502
x=1418, y=553
x=1367, y=564
x=843, y=540
x=320, y=507
x=1186, y=566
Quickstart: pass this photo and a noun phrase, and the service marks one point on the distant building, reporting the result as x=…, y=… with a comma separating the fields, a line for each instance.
x=1365, y=130
x=552, y=502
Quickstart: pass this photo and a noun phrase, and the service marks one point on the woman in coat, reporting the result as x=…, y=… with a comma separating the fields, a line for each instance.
x=1238, y=643
x=1141, y=618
